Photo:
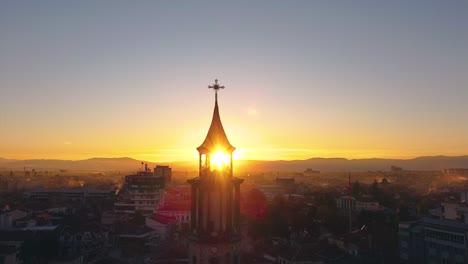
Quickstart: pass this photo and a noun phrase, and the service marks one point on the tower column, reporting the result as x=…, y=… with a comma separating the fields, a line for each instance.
x=215, y=198
x=221, y=210
x=201, y=217
x=193, y=213
x=199, y=164
x=237, y=207
x=229, y=209
x=232, y=170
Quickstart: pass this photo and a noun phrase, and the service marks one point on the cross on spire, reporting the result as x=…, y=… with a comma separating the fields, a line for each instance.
x=216, y=87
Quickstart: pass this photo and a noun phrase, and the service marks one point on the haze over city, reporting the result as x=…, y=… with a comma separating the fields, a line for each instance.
x=243, y=132
x=305, y=79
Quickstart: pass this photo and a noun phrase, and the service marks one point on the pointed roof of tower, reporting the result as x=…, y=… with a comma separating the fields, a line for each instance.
x=216, y=139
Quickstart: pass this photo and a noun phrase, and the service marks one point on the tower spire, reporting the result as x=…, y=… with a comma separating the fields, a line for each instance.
x=216, y=87
x=216, y=138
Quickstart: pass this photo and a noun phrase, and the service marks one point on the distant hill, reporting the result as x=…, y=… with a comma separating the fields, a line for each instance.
x=322, y=164
x=341, y=164
x=94, y=164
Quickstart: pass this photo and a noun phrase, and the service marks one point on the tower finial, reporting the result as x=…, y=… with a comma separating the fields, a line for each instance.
x=216, y=87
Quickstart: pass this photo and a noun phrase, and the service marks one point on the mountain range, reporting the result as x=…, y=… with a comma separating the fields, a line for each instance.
x=321, y=164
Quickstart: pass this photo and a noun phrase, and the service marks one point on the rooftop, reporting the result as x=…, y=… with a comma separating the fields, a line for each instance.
x=183, y=206
x=216, y=139
x=445, y=223
x=164, y=219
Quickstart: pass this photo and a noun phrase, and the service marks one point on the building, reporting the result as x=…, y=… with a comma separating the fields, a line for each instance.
x=453, y=209
x=271, y=191
x=8, y=218
x=176, y=202
x=67, y=260
x=176, y=194
x=310, y=172
x=108, y=218
x=355, y=243
x=87, y=240
x=215, y=208
x=162, y=225
x=164, y=172
x=9, y=254
x=134, y=240
x=456, y=171
x=462, y=212
x=285, y=182
x=179, y=211
x=140, y=192
x=36, y=246
x=411, y=242
x=73, y=194
x=449, y=210
x=357, y=206
x=299, y=255
x=464, y=196
x=433, y=241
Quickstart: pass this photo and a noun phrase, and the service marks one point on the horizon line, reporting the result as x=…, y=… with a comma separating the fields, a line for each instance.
x=240, y=159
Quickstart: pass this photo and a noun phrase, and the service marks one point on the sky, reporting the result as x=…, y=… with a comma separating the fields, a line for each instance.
x=352, y=79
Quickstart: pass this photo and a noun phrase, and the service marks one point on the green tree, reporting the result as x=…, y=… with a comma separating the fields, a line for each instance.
x=138, y=218
x=255, y=205
x=277, y=217
x=374, y=189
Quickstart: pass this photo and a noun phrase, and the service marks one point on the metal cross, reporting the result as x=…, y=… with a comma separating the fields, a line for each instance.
x=216, y=87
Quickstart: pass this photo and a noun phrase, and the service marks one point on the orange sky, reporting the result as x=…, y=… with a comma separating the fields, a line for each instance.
x=256, y=136
x=305, y=79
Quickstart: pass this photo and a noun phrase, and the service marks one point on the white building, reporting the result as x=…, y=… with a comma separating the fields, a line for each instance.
x=343, y=203
x=433, y=241
x=180, y=211
x=141, y=192
x=449, y=210
x=161, y=225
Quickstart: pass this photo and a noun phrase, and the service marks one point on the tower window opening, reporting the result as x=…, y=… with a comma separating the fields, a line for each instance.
x=220, y=160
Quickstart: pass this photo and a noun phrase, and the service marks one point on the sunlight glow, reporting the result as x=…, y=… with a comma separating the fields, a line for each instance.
x=220, y=160
x=237, y=154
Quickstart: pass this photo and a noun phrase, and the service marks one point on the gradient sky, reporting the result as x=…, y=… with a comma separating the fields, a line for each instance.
x=354, y=79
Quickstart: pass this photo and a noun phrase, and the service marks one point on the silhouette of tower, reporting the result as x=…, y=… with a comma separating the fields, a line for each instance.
x=215, y=211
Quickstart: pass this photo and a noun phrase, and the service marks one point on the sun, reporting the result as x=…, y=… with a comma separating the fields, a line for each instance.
x=220, y=160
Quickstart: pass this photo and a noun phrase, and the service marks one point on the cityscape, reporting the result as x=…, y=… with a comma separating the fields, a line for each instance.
x=317, y=132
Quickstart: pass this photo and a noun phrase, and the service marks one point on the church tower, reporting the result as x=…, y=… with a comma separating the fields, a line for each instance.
x=214, y=231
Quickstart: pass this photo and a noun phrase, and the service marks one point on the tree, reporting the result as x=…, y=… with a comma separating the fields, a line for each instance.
x=138, y=218
x=403, y=213
x=374, y=189
x=277, y=217
x=255, y=206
